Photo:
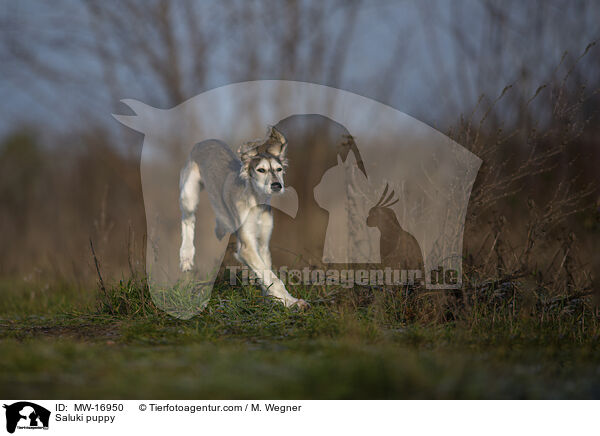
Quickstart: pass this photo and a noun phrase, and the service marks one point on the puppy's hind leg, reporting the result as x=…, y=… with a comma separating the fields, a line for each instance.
x=190, y=186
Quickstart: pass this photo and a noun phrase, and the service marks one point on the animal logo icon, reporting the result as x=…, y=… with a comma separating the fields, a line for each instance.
x=27, y=415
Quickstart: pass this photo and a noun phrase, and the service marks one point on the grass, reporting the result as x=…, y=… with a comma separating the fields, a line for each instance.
x=61, y=342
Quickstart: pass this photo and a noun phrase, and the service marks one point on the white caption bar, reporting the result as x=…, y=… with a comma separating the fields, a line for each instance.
x=262, y=417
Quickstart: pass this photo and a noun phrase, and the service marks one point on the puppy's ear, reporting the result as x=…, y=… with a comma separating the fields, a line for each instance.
x=275, y=135
x=247, y=152
x=249, y=149
x=277, y=144
x=277, y=150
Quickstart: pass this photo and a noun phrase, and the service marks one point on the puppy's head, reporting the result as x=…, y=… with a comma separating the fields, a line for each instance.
x=264, y=162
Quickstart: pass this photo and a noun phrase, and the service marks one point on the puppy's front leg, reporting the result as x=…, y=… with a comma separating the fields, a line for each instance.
x=270, y=283
x=248, y=253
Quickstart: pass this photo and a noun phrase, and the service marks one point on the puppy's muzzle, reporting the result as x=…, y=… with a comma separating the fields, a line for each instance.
x=276, y=186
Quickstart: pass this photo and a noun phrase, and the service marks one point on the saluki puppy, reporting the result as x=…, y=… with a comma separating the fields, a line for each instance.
x=240, y=191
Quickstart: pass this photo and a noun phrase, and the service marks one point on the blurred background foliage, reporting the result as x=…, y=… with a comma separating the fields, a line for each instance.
x=515, y=82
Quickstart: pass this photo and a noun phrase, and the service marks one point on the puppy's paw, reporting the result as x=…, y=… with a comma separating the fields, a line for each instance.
x=186, y=265
x=301, y=305
x=187, y=276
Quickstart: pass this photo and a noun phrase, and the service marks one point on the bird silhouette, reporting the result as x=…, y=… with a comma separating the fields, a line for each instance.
x=398, y=248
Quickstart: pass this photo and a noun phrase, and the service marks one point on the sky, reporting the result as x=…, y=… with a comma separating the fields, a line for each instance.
x=402, y=53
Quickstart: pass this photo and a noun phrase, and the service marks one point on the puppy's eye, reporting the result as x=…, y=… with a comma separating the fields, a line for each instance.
x=260, y=170
x=279, y=169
